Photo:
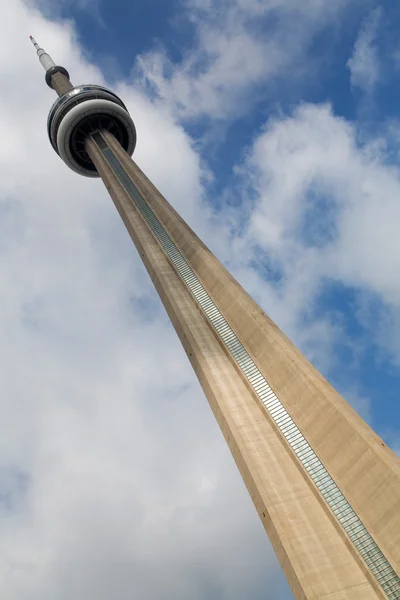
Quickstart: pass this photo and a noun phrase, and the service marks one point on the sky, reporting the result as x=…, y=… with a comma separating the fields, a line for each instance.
x=273, y=126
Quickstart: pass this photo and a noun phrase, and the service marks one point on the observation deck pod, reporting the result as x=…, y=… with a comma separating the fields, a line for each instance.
x=81, y=111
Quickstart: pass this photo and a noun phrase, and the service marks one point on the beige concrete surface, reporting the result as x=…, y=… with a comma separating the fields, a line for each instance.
x=61, y=83
x=318, y=559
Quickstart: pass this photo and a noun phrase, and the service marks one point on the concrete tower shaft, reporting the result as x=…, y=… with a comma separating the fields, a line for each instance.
x=325, y=486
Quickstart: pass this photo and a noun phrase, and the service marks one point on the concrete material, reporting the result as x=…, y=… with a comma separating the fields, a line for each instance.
x=60, y=83
x=52, y=71
x=368, y=471
x=315, y=553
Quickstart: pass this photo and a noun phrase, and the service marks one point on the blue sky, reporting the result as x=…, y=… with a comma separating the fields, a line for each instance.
x=273, y=127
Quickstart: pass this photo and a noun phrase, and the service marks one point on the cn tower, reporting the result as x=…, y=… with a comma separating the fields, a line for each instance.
x=325, y=486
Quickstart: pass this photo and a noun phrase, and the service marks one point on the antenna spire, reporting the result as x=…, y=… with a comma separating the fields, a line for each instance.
x=45, y=60
x=63, y=83
x=34, y=42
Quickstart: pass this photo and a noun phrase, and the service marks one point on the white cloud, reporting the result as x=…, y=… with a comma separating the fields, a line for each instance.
x=238, y=48
x=364, y=63
x=112, y=467
x=325, y=209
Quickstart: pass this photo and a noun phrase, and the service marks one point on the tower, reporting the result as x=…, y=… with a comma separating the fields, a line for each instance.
x=325, y=486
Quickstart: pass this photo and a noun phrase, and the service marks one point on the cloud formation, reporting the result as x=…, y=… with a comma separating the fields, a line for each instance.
x=238, y=48
x=114, y=477
x=325, y=209
x=364, y=64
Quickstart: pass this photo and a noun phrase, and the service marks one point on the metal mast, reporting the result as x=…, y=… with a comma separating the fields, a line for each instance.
x=325, y=486
x=56, y=77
